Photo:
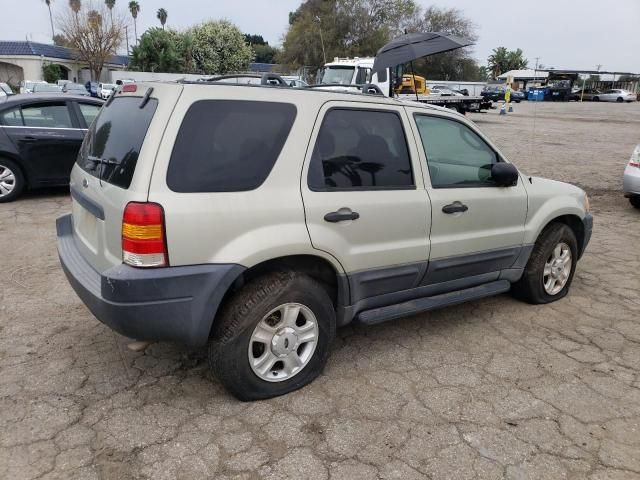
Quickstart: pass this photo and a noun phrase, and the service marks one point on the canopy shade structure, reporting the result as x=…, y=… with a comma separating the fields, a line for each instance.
x=412, y=46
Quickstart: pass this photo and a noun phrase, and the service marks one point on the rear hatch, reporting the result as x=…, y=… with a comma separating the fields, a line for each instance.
x=114, y=167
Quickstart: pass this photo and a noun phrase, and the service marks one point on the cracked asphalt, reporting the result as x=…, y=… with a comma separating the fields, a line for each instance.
x=490, y=389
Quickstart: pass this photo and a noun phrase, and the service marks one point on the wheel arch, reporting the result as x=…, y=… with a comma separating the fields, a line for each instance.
x=574, y=222
x=16, y=159
x=315, y=266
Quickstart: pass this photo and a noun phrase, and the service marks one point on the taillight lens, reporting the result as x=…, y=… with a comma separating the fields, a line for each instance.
x=129, y=88
x=635, y=158
x=143, y=235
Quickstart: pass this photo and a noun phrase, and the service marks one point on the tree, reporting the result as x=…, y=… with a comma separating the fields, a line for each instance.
x=51, y=72
x=93, y=40
x=453, y=65
x=110, y=4
x=503, y=60
x=162, y=16
x=347, y=27
x=134, y=8
x=264, y=52
x=219, y=47
x=159, y=51
x=48, y=3
x=61, y=41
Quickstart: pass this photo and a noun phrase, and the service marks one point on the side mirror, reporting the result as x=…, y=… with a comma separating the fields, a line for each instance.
x=504, y=174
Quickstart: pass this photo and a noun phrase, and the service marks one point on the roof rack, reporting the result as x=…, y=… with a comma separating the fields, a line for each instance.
x=268, y=79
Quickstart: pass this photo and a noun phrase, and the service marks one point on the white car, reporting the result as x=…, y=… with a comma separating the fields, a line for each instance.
x=631, y=179
x=26, y=86
x=616, y=95
x=106, y=89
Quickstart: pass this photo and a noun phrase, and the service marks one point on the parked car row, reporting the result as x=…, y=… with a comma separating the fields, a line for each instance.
x=612, y=95
x=496, y=93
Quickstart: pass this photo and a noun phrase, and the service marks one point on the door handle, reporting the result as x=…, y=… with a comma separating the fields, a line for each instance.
x=29, y=139
x=455, y=207
x=341, y=215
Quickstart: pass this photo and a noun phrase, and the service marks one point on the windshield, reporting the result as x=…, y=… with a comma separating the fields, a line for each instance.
x=108, y=86
x=75, y=86
x=341, y=75
x=112, y=145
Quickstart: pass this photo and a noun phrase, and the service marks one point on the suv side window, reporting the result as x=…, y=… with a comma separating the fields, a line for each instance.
x=456, y=155
x=360, y=149
x=228, y=145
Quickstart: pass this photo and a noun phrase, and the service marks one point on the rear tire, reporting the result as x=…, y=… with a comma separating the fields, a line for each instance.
x=635, y=201
x=596, y=99
x=11, y=180
x=548, y=263
x=254, y=325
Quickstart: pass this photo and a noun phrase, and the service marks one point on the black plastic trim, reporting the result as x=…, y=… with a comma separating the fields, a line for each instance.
x=174, y=303
x=587, y=222
x=460, y=266
x=90, y=205
x=381, y=281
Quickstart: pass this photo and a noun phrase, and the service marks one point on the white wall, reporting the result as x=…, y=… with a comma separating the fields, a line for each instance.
x=32, y=67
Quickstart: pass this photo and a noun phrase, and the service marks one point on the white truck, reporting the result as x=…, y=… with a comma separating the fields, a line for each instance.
x=348, y=73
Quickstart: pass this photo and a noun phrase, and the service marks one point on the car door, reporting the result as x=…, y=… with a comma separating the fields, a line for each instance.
x=364, y=197
x=48, y=138
x=477, y=228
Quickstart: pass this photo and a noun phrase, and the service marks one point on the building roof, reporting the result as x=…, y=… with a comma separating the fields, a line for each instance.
x=27, y=48
x=525, y=75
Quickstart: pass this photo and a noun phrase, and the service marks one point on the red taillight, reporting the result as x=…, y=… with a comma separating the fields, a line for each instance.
x=130, y=88
x=143, y=235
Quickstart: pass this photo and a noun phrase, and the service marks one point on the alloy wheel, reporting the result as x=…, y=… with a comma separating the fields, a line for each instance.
x=283, y=342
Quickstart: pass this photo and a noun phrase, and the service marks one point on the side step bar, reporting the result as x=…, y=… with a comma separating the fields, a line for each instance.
x=419, y=305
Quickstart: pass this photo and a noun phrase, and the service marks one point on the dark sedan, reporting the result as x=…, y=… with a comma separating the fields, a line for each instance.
x=497, y=93
x=40, y=136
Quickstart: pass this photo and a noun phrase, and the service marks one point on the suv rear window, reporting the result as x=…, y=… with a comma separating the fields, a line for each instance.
x=112, y=145
x=228, y=145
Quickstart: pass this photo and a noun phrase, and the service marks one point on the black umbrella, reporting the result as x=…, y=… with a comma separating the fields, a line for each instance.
x=412, y=46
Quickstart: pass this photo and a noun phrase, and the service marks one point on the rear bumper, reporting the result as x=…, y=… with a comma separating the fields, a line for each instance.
x=174, y=303
x=587, y=222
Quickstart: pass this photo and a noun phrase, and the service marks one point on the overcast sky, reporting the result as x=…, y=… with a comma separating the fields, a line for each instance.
x=564, y=34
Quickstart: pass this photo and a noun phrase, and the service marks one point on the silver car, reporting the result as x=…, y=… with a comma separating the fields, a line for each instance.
x=631, y=179
x=616, y=95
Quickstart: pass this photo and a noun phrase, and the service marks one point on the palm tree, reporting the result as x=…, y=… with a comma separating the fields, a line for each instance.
x=110, y=5
x=75, y=6
x=95, y=19
x=48, y=3
x=134, y=8
x=498, y=61
x=162, y=16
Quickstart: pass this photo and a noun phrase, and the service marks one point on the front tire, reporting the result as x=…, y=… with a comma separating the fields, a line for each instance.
x=635, y=201
x=273, y=336
x=620, y=100
x=11, y=180
x=549, y=272
x=596, y=99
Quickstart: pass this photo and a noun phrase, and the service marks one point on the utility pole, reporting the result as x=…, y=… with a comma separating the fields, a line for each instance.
x=126, y=33
x=324, y=54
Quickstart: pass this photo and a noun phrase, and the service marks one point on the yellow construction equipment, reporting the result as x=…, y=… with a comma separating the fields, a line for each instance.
x=413, y=84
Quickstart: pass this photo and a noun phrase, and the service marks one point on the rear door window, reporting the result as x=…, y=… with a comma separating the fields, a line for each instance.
x=360, y=149
x=111, y=148
x=54, y=115
x=228, y=145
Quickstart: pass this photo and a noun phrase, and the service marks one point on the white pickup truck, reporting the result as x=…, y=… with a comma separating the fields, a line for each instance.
x=350, y=73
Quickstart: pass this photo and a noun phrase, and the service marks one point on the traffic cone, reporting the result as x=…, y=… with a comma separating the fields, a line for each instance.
x=503, y=109
x=510, y=107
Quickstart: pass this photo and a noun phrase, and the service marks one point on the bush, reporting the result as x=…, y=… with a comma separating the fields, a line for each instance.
x=51, y=72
